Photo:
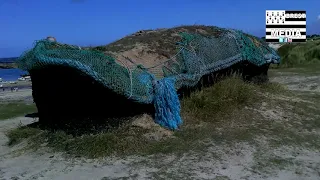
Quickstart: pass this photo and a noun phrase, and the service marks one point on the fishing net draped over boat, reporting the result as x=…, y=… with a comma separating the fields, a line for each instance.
x=196, y=56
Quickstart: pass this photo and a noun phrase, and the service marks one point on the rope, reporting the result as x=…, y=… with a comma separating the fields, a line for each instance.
x=167, y=104
x=129, y=60
x=171, y=58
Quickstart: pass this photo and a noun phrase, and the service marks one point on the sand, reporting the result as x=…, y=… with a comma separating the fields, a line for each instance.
x=233, y=163
x=20, y=95
x=221, y=161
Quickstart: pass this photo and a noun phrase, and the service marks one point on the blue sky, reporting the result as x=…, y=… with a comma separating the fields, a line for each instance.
x=97, y=22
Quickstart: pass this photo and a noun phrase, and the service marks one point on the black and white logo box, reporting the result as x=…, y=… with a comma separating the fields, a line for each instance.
x=289, y=24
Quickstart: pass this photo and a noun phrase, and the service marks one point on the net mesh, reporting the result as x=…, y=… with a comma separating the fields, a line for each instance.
x=197, y=56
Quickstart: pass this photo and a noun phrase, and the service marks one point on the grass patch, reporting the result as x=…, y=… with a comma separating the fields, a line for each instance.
x=266, y=163
x=273, y=87
x=297, y=54
x=203, y=113
x=15, y=109
x=220, y=99
x=17, y=135
x=307, y=69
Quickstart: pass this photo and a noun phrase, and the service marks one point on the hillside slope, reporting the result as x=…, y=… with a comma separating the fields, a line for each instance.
x=151, y=47
x=300, y=53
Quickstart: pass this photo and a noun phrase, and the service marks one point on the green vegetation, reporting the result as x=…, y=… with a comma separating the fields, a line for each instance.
x=203, y=113
x=300, y=54
x=21, y=133
x=306, y=69
x=15, y=109
x=226, y=95
x=313, y=36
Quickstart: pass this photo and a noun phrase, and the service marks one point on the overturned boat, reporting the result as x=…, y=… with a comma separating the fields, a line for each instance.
x=84, y=84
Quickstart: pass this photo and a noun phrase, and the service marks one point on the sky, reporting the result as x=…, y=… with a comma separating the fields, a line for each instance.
x=98, y=22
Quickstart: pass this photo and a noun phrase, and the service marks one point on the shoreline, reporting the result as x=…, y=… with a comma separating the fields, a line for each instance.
x=8, y=65
x=19, y=85
x=19, y=88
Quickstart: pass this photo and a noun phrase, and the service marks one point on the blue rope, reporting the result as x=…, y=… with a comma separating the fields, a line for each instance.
x=167, y=104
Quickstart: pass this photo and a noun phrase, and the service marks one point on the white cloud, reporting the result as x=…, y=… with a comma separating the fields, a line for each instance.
x=318, y=17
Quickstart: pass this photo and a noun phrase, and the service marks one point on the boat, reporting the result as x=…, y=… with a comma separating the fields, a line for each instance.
x=21, y=79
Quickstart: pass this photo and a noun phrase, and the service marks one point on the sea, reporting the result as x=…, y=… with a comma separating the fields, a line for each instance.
x=10, y=74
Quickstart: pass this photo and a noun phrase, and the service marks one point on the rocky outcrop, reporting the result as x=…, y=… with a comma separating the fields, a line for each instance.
x=8, y=65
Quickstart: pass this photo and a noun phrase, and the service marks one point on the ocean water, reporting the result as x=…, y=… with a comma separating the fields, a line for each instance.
x=11, y=74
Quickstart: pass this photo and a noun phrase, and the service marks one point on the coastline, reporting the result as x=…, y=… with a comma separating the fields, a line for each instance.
x=9, y=65
x=19, y=85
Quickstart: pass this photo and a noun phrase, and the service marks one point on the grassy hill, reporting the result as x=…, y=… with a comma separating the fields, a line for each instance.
x=297, y=54
x=152, y=47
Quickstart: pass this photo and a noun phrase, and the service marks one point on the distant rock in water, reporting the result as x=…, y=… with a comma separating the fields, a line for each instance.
x=8, y=63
